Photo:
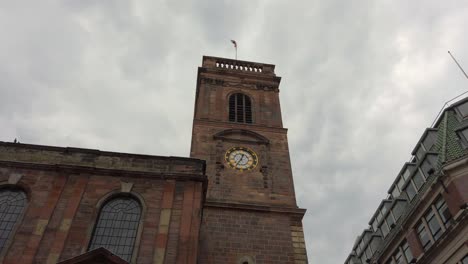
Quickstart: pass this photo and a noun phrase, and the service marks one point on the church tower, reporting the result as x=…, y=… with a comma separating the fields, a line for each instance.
x=250, y=213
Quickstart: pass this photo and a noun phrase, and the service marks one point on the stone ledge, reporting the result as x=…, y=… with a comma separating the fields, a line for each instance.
x=255, y=207
x=95, y=159
x=105, y=172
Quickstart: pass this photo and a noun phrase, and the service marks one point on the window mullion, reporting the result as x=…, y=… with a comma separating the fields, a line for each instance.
x=235, y=108
x=428, y=230
x=403, y=255
x=243, y=110
x=436, y=213
x=422, y=174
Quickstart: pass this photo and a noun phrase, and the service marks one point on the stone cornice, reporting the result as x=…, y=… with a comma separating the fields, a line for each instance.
x=99, y=160
x=240, y=83
x=75, y=169
x=93, y=151
x=256, y=207
x=256, y=138
x=227, y=125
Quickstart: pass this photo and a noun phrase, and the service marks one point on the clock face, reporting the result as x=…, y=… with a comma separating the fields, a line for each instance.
x=241, y=158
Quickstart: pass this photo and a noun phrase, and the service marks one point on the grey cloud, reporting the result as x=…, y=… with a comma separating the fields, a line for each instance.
x=361, y=81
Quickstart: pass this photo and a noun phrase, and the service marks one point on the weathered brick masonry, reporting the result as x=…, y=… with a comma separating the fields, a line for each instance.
x=66, y=186
x=249, y=216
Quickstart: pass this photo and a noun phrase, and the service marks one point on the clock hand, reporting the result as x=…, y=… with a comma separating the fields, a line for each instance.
x=240, y=159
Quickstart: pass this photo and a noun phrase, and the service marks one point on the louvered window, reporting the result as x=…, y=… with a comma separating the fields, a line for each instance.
x=240, y=108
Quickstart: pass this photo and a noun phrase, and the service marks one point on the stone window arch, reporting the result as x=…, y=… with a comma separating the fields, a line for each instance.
x=240, y=108
x=13, y=202
x=117, y=226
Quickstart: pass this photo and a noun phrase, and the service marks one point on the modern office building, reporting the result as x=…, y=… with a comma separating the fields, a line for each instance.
x=424, y=218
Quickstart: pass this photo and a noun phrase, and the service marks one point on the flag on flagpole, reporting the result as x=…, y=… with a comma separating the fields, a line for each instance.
x=235, y=46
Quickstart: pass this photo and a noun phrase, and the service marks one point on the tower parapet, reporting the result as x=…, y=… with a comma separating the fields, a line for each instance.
x=238, y=65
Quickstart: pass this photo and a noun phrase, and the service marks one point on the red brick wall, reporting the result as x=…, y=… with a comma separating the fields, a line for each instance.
x=228, y=235
x=235, y=229
x=62, y=209
x=414, y=243
x=275, y=186
x=211, y=100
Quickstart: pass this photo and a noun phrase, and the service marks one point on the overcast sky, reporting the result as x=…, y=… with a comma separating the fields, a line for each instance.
x=361, y=80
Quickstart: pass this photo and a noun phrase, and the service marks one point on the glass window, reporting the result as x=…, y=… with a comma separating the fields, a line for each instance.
x=434, y=225
x=395, y=192
x=430, y=140
x=399, y=257
x=368, y=251
x=424, y=236
x=426, y=167
x=463, y=108
x=358, y=249
x=465, y=260
x=240, y=108
x=432, y=159
x=407, y=251
x=374, y=225
x=361, y=245
x=117, y=226
x=383, y=209
x=410, y=191
x=395, y=217
x=420, y=153
x=465, y=133
x=443, y=211
x=418, y=180
x=389, y=220
x=12, y=204
x=363, y=258
x=398, y=209
x=366, y=237
x=406, y=173
x=384, y=229
x=379, y=216
x=400, y=183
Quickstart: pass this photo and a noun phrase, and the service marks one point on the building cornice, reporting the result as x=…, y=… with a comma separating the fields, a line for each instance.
x=230, y=125
x=75, y=169
x=95, y=161
x=256, y=207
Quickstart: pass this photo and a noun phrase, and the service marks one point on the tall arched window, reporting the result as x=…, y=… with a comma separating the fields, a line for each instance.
x=12, y=204
x=117, y=226
x=240, y=108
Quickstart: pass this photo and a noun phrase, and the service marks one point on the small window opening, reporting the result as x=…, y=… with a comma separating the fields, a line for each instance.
x=240, y=108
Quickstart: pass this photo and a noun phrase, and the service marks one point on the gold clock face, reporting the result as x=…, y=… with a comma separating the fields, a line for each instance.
x=241, y=158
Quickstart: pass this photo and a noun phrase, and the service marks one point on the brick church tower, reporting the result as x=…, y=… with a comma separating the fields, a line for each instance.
x=250, y=213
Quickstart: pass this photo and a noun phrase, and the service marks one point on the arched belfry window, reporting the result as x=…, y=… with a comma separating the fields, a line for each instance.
x=12, y=204
x=117, y=226
x=240, y=108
